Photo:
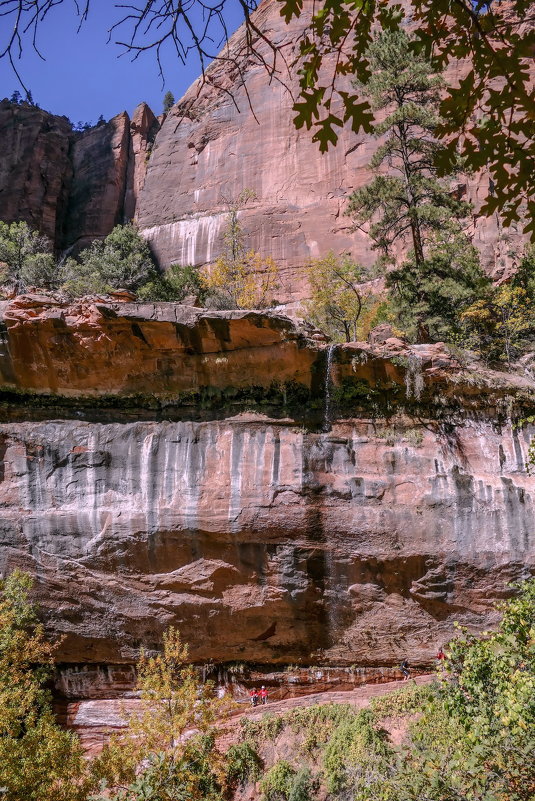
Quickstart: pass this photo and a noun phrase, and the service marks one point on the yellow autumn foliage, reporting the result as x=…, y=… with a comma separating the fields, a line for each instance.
x=246, y=282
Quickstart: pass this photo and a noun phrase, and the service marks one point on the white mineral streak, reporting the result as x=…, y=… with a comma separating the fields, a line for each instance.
x=190, y=241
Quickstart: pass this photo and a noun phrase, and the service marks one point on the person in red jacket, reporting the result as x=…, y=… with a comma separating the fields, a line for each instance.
x=263, y=695
x=254, y=697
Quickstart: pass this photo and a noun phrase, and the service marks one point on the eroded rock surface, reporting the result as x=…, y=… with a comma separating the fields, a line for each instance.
x=266, y=528
x=35, y=167
x=100, y=163
x=72, y=187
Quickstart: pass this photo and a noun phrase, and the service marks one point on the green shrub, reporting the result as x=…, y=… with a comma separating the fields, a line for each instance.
x=176, y=284
x=120, y=261
x=268, y=727
x=406, y=701
x=303, y=786
x=243, y=764
x=278, y=782
x=26, y=257
x=356, y=754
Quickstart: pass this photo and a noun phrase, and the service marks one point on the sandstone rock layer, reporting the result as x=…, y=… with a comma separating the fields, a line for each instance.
x=279, y=512
x=35, y=168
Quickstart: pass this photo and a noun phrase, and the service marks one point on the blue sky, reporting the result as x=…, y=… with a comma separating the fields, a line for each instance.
x=83, y=77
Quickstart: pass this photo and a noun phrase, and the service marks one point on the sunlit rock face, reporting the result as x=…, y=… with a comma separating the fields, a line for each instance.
x=275, y=510
x=242, y=135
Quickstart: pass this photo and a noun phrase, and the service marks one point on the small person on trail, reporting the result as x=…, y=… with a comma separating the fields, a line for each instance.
x=441, y=655
x=405, y=669
x=263, y=695
x=254, y=697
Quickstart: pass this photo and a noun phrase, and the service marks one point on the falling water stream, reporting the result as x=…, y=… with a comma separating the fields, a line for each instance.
x=328, y=383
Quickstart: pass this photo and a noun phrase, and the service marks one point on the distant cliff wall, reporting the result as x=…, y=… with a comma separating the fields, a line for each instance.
x=72, y=187
x=242, y=135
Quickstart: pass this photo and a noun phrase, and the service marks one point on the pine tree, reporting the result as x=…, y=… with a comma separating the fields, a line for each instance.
x=411, y=206
x=168, y=102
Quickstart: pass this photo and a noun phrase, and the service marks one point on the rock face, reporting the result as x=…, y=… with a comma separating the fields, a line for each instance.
x=35, y=168
x=72, y=187
x=143, y=129
x=275, y=511
x=221, y=148
x=178, y=180
x=100, y=163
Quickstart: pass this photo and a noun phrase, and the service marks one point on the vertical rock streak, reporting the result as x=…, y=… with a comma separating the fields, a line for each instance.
x=325, y=534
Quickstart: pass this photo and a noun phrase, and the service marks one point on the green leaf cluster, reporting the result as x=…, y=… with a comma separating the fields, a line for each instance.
x=337, y=297
x=120, y=261
x=38, y=760
x=26, y=258
x=500, y=325
x=488, y=115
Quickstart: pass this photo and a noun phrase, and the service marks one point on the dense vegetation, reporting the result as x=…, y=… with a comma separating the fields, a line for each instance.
x=471, y=735
x=122, y=260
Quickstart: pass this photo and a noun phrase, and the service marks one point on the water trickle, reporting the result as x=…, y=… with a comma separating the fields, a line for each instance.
x=328, y=384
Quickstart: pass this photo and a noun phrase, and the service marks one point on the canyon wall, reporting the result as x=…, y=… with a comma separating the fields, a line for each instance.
x=177, y=176
x=35, y=168
x=166, y=465
x=73, y=187
x=240, y=134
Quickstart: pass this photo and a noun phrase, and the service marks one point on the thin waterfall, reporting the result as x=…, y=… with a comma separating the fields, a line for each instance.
x=328, y=383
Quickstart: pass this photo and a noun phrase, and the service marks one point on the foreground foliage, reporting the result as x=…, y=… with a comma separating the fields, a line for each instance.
x=168, y=751
x=469, y=737
x=38, y=761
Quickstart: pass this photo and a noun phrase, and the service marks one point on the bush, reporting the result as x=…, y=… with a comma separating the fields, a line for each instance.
x=302, y=788
x=278, y=782
x=38, y=760
x=243, y=764
x=356, y=754
x=120, y=261
x=26, y=257
x=176, y=284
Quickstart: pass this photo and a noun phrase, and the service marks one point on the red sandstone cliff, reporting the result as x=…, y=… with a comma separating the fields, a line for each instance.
x=221, y=148
x=166, y=465
x=35, y=167
x=173, y=180
x=72, y=187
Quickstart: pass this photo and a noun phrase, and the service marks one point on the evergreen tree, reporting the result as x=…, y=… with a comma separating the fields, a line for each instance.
x=168, y=101
x=26, y=257
x=411, y=206
x=120, y=261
